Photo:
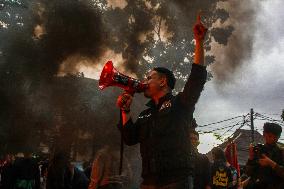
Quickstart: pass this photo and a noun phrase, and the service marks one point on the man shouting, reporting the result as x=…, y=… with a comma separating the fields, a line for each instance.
x=162, y=129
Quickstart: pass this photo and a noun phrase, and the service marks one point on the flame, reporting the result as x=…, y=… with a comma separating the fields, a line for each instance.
x=38, y=31
x=90, y=67
x=117, y=4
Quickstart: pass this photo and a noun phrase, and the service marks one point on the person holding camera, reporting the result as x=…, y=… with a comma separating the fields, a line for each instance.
x=265, y=163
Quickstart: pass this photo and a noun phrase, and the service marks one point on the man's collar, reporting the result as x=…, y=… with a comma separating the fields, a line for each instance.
x=152, y=104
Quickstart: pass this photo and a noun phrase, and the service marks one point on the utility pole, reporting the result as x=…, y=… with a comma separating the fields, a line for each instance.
x=252, y=126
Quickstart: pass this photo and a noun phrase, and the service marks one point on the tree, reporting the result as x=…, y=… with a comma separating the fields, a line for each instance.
x=37, y=36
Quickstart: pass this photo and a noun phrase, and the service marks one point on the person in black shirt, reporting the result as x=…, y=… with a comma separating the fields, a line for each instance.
x=26, y=172
x=63, y=175
x=265, y=161
x=202, y=167
x=7, y=171
x=224, y=176
x=162, y=129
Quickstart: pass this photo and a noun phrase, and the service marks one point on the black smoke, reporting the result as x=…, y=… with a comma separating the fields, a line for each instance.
x=29, y=63
x=238, y=48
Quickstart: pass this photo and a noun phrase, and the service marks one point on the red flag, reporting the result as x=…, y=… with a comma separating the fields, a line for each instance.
x=232, y=155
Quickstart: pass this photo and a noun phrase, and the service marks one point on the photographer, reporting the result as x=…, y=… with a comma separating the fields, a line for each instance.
x=265, y=161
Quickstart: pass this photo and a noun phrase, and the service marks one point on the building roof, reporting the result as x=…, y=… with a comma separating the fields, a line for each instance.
x=242, y=138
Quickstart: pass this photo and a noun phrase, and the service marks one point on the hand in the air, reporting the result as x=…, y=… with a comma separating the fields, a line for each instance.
x=199, y=29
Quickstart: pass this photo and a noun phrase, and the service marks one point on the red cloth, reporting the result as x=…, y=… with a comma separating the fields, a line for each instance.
x=232, y=155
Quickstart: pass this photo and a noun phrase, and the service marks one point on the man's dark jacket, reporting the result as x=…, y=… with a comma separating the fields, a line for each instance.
x=162, y=131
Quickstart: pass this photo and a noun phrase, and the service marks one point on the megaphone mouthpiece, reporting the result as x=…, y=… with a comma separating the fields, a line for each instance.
x=111, y=77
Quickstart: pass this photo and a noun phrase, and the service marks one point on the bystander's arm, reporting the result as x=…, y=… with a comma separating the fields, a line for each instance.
x=97, y=172
x=266, y=161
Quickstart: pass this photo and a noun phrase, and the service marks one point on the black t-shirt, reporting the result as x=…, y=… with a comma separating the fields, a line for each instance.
x=223, y=176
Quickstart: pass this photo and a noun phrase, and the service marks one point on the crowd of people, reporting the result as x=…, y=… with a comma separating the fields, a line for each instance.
x=264, y=169
x=168, y=147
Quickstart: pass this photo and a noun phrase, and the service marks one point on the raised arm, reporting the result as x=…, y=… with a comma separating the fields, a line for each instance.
x=197, y=78
x=199, y=34
x=267, y=162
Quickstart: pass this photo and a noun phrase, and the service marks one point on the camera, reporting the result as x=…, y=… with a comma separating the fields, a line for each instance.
x=258, y=150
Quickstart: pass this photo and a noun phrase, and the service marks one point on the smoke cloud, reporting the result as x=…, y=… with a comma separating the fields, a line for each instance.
x=231, y=54
x=54, y=38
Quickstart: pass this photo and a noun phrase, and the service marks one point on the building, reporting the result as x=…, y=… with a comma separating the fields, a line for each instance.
x=242, y=139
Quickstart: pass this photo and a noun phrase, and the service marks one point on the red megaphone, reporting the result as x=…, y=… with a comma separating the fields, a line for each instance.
x=111, y=77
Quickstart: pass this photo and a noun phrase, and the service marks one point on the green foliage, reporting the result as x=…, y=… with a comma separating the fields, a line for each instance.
x=218, y=137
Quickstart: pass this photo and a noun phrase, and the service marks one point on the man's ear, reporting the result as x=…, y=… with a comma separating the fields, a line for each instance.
x=163, y=81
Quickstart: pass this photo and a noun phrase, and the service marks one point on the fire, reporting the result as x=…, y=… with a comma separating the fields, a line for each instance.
x=117, y=4
x=38, y=31
x=90, y=67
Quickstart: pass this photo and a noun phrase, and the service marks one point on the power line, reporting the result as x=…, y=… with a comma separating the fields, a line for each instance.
x=230, y=126
x=218, y=129
x=269, y=119
x=276, y=114
x=261, y=115
x=237, y=129
x=243, y=123
x=265, y=119
x=220, y=121
x=233, y=121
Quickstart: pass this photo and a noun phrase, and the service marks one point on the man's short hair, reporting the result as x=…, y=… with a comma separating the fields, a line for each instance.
x=272, y=128
x=171, y=80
